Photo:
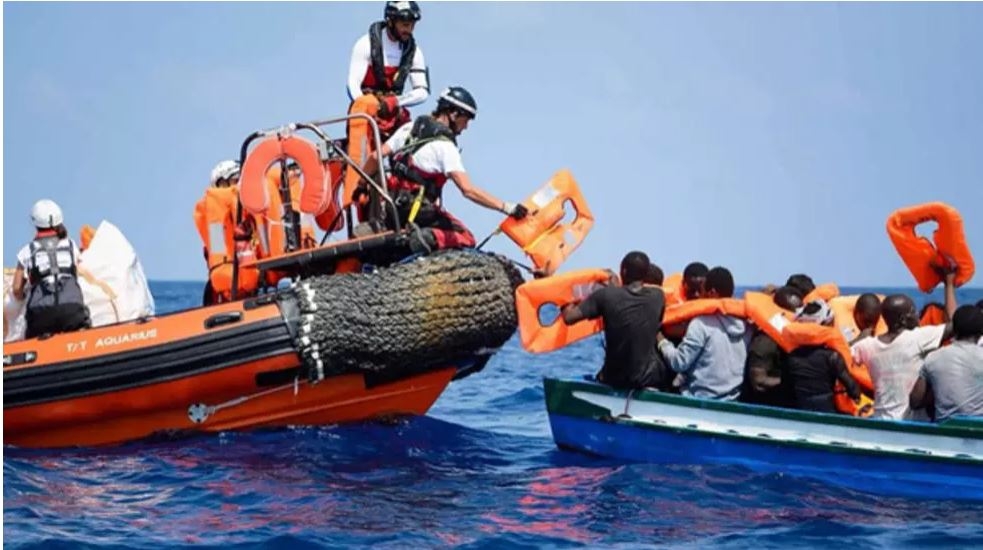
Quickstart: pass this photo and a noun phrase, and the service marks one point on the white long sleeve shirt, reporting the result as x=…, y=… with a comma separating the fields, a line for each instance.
x=392, y=51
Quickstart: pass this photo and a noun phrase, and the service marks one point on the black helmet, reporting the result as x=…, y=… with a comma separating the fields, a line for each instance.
x=402, y=11
x=457, y=98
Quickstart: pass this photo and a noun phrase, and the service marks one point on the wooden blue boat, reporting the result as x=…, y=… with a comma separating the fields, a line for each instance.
x=888, y=457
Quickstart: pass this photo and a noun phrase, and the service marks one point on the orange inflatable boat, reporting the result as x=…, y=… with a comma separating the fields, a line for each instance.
x=225, y=367
x=920, y=255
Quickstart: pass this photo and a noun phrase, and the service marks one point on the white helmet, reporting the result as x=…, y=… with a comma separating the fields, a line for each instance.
x=46, y=214
x=224, y=170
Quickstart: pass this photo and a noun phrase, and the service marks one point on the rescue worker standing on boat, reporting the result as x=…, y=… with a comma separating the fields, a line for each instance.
x=423, y=157
x=47, y=276
x=384, y=59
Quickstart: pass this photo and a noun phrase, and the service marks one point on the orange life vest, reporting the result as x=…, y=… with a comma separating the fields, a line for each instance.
x=920, y=254
x=558, y=290
x=85, y=236
x=544, y=235
x=686, y=311
x=271, y=232
x=934, y=314
x=768, y=317
x=809, y=334
x=824, y=292
x=672, y=286
x=214, y=217
x=843, y=307
x=361, y=142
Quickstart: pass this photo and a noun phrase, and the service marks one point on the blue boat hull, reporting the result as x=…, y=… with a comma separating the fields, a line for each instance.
x=877, y=474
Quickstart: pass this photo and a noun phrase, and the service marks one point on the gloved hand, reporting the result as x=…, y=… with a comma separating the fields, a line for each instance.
x=517, y=211
x=388, y=106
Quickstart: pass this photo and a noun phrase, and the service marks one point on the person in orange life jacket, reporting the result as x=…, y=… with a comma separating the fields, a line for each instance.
x=764, y=380
x=47, y=276
x=423, y=156
x=224, y=175
x=710, y=358
x=814, y=370
x=896, y=357
x=632, y=315
x=866, y=314
x=382, y=61
x=694, y=278
x=802, y=282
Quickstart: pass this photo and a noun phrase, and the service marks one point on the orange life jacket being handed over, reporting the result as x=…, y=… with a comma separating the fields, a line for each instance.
x=810, y=334
x=919, y=254
x=214, y=217
x=543, y=235
x=558, y=291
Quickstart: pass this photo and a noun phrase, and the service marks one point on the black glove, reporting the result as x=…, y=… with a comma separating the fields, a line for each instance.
x=517, y=211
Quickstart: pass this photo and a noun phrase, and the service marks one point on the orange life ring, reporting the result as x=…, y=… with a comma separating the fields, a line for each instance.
x=315, y=195
x=543, y=235
x=920, y=254
x=768, y=317
x=557, y=290
x=808, y=334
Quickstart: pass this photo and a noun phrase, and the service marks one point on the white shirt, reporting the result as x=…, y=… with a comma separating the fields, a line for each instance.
x=392, y=51
x=438, y=156
x=24, y=257
x=894, y=367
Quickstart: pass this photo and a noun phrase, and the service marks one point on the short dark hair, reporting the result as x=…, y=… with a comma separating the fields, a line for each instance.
x=967, y=323
x=655, y=276
x=802, y=282
x=788, y=298
x=634, y=267
x=720, y=280
x=898, y=312
x=979, y=304
x=695, y=270
x=868, y=308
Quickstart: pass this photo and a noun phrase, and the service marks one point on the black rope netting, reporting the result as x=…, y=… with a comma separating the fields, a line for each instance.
x=429, y=312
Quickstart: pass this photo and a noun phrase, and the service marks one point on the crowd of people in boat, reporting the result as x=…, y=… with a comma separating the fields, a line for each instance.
x=918, y=372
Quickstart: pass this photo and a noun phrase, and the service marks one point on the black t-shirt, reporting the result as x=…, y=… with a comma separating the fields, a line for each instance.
x=813, y=372
x=632, y=316
x=764, y=353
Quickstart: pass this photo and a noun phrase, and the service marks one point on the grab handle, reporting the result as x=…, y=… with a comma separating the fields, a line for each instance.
x=220, y=319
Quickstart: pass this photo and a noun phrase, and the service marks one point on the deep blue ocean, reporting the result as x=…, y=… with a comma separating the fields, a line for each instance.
x=479, y=471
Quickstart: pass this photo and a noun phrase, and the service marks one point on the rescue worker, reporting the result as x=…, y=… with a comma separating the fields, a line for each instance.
x=384, y=59
x=423, y=156
x=213, y=214
x=47, y=276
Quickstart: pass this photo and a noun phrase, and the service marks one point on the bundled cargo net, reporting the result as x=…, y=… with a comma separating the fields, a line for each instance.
x=433, y=311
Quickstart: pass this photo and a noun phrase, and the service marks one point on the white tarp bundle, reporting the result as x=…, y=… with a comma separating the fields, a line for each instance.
x=119, y=293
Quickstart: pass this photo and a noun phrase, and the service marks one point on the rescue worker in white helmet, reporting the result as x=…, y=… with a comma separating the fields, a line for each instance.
x=423, y=156
x=47, y=276
x=384, y=59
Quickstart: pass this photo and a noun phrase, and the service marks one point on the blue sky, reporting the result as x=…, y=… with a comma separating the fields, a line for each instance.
x=769, y=138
